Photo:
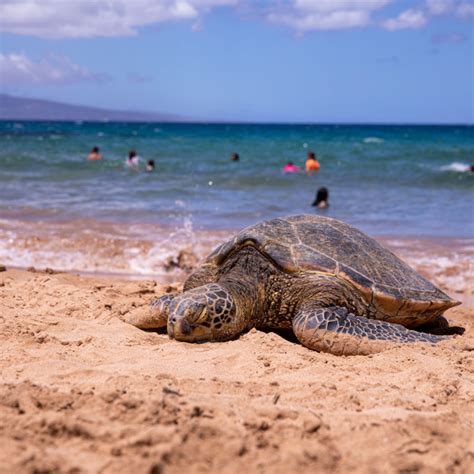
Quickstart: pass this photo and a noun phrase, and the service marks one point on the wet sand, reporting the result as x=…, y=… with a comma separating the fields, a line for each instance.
x=82, y=391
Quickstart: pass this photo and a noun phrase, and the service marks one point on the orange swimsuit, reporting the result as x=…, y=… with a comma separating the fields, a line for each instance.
x=312, y=165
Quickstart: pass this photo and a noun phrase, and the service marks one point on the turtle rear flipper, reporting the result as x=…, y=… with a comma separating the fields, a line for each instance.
x=335, y=330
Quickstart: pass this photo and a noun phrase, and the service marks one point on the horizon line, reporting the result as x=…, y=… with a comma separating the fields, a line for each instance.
x=245, y=122
x=180, y=119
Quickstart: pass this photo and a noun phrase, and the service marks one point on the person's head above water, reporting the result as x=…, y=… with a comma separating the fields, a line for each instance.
x=94, y=154
x=235, y=157
x=322, y=197
x=311, y=155
x=322, y=194
x=132, y=154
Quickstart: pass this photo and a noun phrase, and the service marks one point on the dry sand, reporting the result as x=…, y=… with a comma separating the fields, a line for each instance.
x=81, y=391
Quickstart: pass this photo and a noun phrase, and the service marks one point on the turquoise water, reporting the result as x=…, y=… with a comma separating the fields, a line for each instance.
x=387, y=180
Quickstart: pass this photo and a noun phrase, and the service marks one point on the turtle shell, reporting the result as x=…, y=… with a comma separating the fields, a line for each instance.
x=309, y=244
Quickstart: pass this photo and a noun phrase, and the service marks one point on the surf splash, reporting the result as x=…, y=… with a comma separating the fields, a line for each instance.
x=373, y=140
x=142, y=250
x=458, y=167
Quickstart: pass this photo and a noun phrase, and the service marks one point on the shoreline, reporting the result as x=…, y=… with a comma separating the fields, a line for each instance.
x=170, y=253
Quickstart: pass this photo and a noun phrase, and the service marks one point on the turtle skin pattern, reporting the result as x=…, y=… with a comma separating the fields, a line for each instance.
x=316, y=329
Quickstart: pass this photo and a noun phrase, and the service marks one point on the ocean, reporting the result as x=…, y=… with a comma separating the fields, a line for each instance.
x=407, y=182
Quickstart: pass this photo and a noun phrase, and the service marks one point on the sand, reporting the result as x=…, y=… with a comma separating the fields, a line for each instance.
x=82, y=391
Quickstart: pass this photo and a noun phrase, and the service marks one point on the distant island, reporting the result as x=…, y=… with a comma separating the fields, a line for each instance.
x=18, y=108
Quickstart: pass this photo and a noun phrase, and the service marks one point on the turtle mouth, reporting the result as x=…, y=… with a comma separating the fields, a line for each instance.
x=189, y=324
x=186, y=332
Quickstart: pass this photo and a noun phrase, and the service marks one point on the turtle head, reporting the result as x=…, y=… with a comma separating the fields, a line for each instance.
x=205, y=313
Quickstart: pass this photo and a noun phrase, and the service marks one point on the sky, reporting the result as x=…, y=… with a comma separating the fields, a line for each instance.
x=331, y=61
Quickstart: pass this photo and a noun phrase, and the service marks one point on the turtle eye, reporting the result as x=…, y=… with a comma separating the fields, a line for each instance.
x=200, y=315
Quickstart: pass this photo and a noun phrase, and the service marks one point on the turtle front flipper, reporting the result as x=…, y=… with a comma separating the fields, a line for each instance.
x=335, y=330
x=156, y=316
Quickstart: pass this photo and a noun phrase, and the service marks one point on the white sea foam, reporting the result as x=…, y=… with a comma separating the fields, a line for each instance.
x=13, y=255
x=157, y=259
x=449, y=264
x=456, y=166
x=373, y=140
x=453, y=272
x=141, y=250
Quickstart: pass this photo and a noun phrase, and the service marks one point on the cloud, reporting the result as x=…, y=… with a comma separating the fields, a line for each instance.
x=412, y=18
x=331, y=5
x=17, y=68
x=406, y=19
x=92, y=18
x=465, y=10
x=461, y=8
x=116, y=18
x=439, y=7
x=337, y=20
x=308, y=15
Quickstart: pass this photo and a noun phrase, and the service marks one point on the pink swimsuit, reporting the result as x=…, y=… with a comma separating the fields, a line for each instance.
x=291, y=169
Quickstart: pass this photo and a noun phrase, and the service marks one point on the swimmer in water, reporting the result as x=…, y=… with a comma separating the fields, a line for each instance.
x=94, y=155
x=150, y=166
x=290, y=167
x=132, y=160
x=235, y=157
x=312, y=164
x=322, y=198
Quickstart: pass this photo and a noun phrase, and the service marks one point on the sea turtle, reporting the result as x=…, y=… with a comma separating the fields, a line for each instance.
x=338, y=289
